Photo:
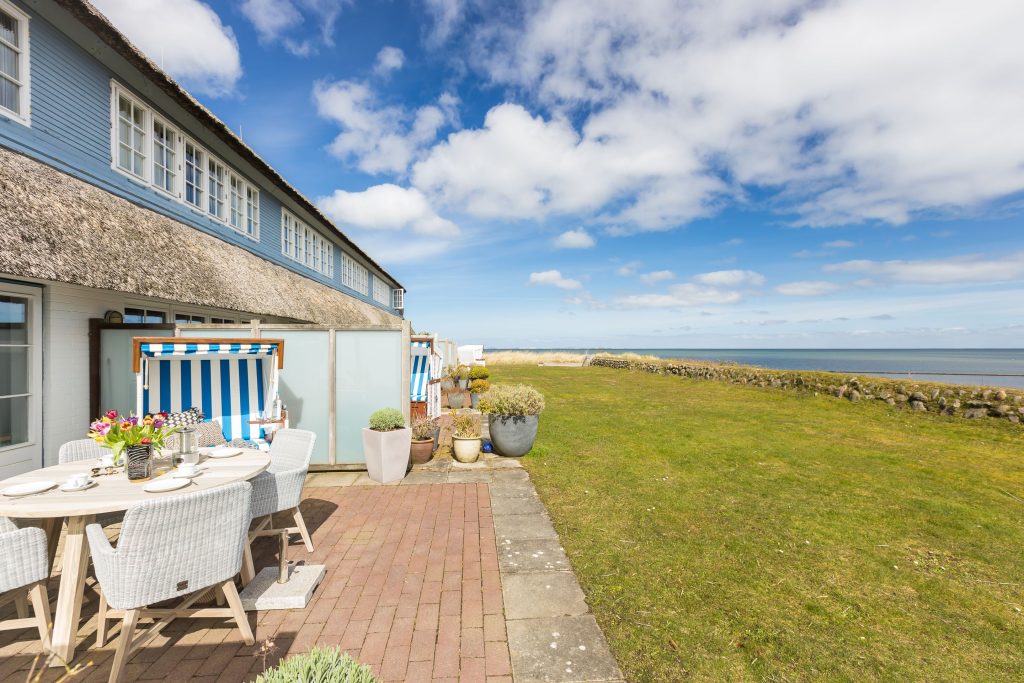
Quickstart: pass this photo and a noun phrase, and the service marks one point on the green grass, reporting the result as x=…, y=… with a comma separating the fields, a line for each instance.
x=723, y=532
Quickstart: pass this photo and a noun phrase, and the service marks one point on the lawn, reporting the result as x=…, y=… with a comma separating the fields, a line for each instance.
x=724, y=532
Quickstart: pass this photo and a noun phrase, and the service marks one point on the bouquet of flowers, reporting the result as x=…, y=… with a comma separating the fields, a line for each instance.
x=118, y=432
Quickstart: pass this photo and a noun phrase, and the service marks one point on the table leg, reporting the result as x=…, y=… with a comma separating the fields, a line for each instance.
x=52, y=527
x=69, y=597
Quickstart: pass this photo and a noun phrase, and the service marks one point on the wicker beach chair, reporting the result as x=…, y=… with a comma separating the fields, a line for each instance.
x=24, y=569
x=174, y=547
x=278, y=490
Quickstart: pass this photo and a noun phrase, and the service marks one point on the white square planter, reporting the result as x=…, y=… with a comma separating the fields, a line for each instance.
x=387, y=454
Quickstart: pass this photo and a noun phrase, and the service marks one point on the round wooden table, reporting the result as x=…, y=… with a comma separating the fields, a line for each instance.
x=112, y=493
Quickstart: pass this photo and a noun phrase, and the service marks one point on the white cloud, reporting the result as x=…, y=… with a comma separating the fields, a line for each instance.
x=574, y=239
x=446, y=15
x=280, y=21
x=553, y=278
x=387, y=207
x=807, y=288
x=628, y=268
x=839, y=244
x=730, y=278
x=184, y=37
x=389, y=59
x=271, y=18
x=681, y=295
x=957, y=270
x=782, y=95
x=657, y=276
x=378, y=137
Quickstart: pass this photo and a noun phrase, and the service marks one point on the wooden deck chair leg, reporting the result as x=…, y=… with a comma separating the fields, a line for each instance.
x=300, y=523
x=124, y=645
x=101, y=622
x=21, y=606
x=248, y=569
x=41, y=607
x=235, y=602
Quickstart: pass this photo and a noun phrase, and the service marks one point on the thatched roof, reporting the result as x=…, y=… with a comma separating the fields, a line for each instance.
x=95, y=21
x=56, y=227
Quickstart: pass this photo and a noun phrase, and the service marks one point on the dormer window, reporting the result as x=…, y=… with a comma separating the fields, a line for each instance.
x=14, y=73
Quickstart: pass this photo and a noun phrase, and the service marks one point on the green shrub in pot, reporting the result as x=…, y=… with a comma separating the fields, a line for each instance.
x=386, y=445
x=477, y=387
x=422, y=446
x=321, y=664
x=479, y=372
x=466, y=440
x=514, y=414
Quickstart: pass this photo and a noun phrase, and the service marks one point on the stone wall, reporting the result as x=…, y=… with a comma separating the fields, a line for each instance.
x=948, y=399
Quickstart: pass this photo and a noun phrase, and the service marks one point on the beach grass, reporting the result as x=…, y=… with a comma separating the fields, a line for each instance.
x=546, y=357
x=725, y=532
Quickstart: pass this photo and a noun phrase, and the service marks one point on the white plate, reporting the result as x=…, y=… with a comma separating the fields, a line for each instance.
x=70, y=489
x=28, y=488
x=223, y=452
x=165, y=484
x=181, y=475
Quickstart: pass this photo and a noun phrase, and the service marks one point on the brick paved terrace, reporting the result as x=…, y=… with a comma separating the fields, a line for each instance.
x=414, y=588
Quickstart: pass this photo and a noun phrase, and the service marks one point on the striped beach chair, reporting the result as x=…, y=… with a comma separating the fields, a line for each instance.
x=232, y=381
x=426, y=365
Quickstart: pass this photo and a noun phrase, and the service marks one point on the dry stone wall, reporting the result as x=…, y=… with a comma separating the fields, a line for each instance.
x=948, y=399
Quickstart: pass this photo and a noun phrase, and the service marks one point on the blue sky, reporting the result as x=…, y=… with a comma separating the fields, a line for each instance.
x=658, y=173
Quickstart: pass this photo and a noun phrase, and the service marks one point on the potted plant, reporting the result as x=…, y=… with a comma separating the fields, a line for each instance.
x=462, y=374
x=386, y=444
x=479, y=372
x=448, y=379
x=476, y=388
x=319, y=664
x=456, y=399
x=513, y=412
x=422, y=449
x=132, y=438
x=466, y=439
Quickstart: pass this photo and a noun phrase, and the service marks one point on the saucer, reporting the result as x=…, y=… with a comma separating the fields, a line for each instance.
x=67, y=488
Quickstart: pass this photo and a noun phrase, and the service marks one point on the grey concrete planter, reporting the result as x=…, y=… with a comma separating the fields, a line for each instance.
x=387, y=454
x=513, y=436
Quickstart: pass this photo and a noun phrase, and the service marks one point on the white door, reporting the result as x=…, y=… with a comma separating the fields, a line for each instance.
x=21, y=379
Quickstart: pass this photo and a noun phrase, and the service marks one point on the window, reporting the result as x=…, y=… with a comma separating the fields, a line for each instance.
x=215, y=189
x=252, y=211
x=236, y=192
x=131, y=136
x=195, y=167
x=398, y=299
x=14, y=69
x=302, y=243
x=354, y=275
x=381, y=291
x=138, y=315
x=188, y=318
x=222, y=321
x=164, y=157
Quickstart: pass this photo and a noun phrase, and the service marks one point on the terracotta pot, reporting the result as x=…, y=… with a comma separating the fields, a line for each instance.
x=421, y=451
x=466, y=450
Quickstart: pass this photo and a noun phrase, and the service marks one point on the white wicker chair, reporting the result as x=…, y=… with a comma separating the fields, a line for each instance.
x=169, y=548
x=24, y=565
x=80, y=449
x=279, y=489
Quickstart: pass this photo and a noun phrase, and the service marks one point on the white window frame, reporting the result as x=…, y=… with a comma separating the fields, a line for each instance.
x=116, y=93
x=303, y=244
x=221, y=196
x=201, y=187
x=381, y=291
x=251, y=204
x=398, y=298
x=354, y=275
x=175, y=149
x=24, y=113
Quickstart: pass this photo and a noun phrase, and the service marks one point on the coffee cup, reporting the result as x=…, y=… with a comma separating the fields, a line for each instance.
x=187, y=469
x=77, y=481
x=107, y=460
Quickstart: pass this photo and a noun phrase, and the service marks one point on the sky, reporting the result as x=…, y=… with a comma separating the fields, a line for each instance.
x=643, y=174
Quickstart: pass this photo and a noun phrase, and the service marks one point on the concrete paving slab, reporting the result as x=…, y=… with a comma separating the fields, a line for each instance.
x=515, y=527
x=538, y=595
x=499, y=463
x=512, y=489
x=523, y=505
x=560, y=650
x=470, y=477
x=503, y=476
x=425, y=477
x=457, y=466
x=532, y=555
x=325, y=479
x=364, y=480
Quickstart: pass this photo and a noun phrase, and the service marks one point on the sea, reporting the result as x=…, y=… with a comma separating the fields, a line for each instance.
x=989, y=367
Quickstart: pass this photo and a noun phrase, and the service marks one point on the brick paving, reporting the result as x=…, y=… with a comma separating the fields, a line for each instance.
x=412, y=588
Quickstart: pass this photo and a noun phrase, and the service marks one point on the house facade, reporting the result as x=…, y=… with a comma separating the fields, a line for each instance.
x=122, y=198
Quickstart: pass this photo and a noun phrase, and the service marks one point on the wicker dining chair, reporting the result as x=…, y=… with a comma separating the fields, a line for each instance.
x=24, y=568
x=80, y=449
x=171, y=547
x=279, y=489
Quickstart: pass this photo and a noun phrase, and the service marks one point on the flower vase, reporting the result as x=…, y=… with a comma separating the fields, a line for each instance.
x=138, y=461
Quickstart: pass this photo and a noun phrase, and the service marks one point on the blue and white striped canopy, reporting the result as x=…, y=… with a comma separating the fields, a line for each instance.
x=420, y=371
x=154, y=350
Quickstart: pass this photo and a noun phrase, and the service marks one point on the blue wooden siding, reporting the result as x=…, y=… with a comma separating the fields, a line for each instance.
x=71, y=130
